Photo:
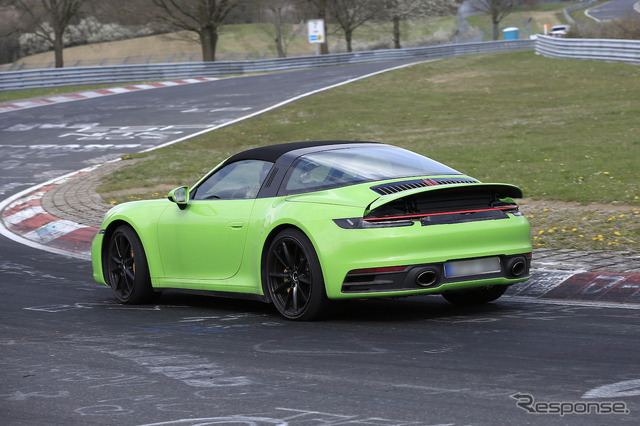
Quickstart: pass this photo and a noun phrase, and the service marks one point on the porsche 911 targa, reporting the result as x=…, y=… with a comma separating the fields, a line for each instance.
x=301, y=224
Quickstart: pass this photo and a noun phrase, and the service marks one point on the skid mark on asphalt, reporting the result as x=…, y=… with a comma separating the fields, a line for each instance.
x=289, y=416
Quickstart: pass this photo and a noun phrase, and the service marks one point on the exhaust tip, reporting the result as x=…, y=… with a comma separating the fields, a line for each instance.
x=427, y=278
x=517, y=267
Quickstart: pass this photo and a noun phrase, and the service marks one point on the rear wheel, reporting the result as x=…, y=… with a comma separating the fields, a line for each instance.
x=126, y=267
x=475, y=296
x=294, y=277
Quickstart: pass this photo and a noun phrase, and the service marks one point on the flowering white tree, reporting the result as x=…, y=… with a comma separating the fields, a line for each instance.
x=88, y=30
x=48, y=20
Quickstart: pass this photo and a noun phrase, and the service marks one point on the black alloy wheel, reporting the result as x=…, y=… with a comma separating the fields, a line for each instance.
x=294, y=277
x=126, y=268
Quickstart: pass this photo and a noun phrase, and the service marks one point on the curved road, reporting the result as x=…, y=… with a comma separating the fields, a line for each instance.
x=71, y=355
x=614, y=10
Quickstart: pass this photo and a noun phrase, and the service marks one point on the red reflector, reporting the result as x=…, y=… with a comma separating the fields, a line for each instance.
x=377, y=270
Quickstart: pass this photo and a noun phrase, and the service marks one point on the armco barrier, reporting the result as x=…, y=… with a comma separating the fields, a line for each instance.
x=594, y=49
x=13, y=80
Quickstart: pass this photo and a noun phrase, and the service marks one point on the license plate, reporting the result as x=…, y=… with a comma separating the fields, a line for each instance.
x=462, y=268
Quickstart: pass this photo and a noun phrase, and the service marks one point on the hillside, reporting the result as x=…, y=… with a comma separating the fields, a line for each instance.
x=244, y=41
x=252, y=41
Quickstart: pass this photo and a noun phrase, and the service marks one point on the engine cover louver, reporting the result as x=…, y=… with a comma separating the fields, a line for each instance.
x=395, y=187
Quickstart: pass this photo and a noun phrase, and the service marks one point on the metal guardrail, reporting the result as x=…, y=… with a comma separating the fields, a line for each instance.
x=13, y=80
x=594, y=49
x=154, y=58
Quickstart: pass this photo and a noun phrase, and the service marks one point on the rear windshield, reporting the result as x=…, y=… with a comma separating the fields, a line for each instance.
x=340, y=167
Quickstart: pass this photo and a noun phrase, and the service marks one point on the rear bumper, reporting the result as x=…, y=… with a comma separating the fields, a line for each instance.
x=416, y=248
x=433, y=277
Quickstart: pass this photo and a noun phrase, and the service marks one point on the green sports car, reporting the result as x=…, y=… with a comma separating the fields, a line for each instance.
x=302, y=224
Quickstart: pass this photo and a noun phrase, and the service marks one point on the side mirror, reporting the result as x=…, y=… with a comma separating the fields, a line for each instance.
x=180, y=196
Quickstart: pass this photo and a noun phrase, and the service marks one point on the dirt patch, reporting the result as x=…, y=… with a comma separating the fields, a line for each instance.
x=455, y=77
x=141, y=46
x=549, y=18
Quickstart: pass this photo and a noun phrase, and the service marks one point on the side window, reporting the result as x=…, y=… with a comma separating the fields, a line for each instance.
x=307, y=174
x=235, y=181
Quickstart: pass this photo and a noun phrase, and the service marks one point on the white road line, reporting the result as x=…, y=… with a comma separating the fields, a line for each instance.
x=280, y=104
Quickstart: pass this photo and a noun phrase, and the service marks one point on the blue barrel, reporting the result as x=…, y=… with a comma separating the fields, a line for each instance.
x=510, y=33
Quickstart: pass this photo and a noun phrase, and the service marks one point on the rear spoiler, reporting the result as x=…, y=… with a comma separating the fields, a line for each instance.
x=501, y=190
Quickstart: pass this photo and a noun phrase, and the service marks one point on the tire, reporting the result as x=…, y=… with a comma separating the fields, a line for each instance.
x=127, y=271
x=293, y=277
x=475, y=296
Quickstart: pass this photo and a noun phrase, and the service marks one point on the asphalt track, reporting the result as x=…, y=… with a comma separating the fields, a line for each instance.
x=613, y=10
x=71, y=355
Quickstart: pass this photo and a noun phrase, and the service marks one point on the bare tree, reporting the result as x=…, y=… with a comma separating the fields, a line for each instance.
x=497, y=9
x=399, y=10
x=48, y=19
x=350, y=14
x=287, y=18
x=277, y=9
x=9, y=37
x=203, y=17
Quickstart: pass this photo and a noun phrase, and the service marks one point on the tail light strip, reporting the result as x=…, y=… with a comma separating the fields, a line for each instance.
x=419, y=215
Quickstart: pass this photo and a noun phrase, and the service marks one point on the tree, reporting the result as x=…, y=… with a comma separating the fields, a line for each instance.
x=399, y=10
x=497, y=9
x=9, y=37
x=48, y=19
x=279, y=11
x=350, y=14
x=203, y=17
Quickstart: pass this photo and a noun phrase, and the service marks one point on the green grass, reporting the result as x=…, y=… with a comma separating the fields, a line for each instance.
x=584, y=228
x=562, y=130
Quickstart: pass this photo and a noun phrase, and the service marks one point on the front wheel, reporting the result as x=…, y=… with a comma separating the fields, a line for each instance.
x=126, y=268
x=294, y=277
x=475, y=296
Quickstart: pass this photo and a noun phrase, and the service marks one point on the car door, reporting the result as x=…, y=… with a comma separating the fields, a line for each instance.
x=205, y=240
